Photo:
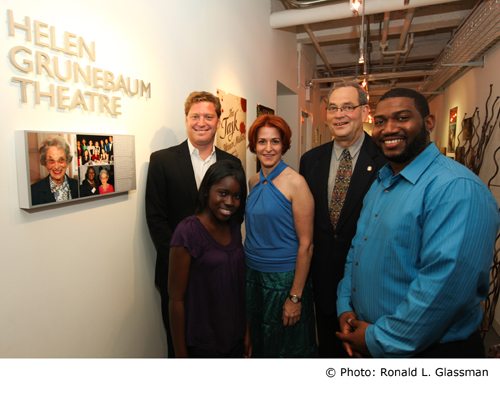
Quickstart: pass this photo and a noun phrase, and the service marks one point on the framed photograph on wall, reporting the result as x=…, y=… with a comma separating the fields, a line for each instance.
x=452, y=131
x=54, y=168
x=262, y=110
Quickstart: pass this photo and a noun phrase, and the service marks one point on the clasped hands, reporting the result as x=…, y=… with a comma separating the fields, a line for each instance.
x=352, y=335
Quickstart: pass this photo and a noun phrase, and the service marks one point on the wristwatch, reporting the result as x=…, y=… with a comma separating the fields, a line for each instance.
x=295, y=299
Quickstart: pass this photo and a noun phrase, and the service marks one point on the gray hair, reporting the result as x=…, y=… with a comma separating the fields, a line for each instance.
x=104, y=171
x=362, y=95
x=57, y=142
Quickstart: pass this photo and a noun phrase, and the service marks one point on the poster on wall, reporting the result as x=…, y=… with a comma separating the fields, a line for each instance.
x=231, y=135
x=452, y=130
x=56, y=167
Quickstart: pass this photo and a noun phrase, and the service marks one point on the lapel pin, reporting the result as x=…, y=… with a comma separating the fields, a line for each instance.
x=369, y=168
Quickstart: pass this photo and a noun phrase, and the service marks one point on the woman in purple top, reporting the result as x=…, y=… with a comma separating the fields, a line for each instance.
x=206, y=280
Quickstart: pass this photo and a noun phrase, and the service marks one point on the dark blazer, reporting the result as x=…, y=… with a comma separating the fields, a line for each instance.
x=171, y=194
x=41, y=194
x=331, y=247
x=86, y=189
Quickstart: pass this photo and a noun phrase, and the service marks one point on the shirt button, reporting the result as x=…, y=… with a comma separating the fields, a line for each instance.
x=366, y=238
x=376, y=214
x=387, y=191
x=356, y=263
x=353, y=289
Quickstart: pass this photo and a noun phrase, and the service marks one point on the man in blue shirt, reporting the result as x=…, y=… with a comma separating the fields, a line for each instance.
x=419, y=264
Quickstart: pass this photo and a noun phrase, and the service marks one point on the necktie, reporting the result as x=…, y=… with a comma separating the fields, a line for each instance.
x=342, y=180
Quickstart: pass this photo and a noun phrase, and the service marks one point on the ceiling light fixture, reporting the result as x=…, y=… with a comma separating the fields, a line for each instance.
x=354, y=5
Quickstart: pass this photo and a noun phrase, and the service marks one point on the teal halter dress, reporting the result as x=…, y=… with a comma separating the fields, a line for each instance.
x=271, y=247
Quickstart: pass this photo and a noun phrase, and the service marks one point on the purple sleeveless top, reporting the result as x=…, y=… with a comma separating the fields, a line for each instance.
x=216, y=290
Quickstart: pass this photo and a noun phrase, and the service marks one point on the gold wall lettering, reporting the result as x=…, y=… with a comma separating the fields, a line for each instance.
x=43, y=64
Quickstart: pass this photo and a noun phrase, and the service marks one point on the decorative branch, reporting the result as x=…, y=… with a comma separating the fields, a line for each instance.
x=475, y=148
x=473, y=151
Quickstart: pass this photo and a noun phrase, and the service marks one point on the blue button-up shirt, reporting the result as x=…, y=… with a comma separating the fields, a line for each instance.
x=419, y=264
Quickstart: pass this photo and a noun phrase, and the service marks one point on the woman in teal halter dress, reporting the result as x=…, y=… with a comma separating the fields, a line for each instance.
x=278, y=248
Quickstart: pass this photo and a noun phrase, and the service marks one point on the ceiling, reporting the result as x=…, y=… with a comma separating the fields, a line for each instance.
x=419, y=44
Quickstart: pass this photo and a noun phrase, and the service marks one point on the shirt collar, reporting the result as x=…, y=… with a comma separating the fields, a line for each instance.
x=353, y=149
x=415, y=169
x=195, y=151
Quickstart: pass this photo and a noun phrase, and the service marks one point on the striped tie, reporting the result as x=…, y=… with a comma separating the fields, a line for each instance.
x=342, y=180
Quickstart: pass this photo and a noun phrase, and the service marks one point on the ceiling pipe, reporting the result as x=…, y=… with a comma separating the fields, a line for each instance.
x=368, y=45
x=302, y=3
x=318, y=48
x=403, y=37
x=294, y=17
x=407, y=53
x=374, y=77
x=404, y=51
x=362, y=38
x=385, y=32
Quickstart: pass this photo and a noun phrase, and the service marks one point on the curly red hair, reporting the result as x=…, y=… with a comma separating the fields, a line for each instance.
x=270, y=121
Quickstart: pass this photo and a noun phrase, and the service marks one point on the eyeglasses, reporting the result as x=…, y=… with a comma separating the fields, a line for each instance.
x=345, y=109
x=51, y=163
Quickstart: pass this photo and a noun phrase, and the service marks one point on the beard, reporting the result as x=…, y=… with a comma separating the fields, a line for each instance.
x=412, y=150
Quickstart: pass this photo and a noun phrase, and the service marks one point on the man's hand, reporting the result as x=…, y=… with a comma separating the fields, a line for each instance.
x=352, y=335
x=345, y=328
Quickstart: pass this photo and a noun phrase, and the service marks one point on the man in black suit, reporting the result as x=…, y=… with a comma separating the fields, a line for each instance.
x=347, y=110
x=174, y=177
x=109, y=151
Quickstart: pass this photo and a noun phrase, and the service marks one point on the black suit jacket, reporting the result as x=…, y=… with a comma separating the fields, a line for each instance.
x=171, y=194
x=86, y=189
x=331, y=247
x=41, y=194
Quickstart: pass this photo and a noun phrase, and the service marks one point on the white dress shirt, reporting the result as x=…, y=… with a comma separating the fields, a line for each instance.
x=200, y=166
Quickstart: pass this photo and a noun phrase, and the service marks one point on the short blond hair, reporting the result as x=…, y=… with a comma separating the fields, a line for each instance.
x=198, y=97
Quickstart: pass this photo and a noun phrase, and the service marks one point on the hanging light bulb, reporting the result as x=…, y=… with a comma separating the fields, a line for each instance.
x=354, y=5
x=363, y=84
x=361, y=58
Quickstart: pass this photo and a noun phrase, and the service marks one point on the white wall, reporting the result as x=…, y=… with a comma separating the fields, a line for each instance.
x=66, y=288
x=467, y=93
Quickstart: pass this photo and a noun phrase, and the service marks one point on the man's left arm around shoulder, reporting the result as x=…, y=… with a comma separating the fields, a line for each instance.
x=459, y=225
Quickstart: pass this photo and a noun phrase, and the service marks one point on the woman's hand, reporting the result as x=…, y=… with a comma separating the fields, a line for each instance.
x=248, y=345
x=291, y=313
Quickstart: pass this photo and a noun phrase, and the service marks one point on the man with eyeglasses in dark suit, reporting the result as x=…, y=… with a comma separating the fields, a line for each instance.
x=334, y=228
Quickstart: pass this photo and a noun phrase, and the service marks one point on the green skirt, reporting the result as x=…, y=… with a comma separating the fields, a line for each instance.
x=266, y=294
